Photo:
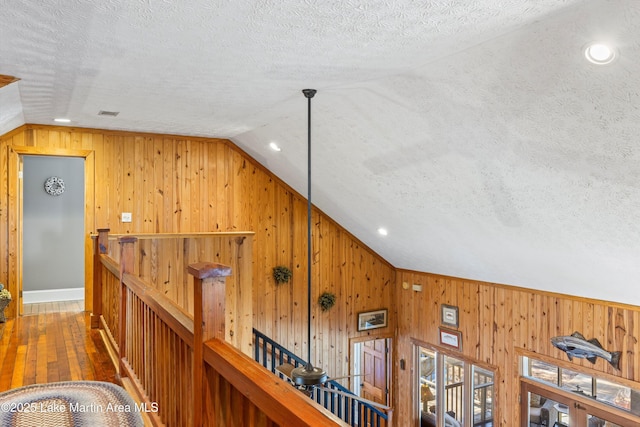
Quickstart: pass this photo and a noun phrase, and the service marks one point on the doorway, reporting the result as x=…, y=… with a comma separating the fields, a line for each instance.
x=53, y=229
x=543, y=407
x=15, y=216
x=371, y=369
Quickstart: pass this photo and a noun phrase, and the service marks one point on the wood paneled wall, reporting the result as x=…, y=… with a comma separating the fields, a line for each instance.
x=498, y=323
x=177, y=184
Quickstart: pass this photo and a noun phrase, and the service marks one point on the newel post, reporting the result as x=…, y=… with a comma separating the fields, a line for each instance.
x=100, y=246
x=208, y=321
x=127, y=244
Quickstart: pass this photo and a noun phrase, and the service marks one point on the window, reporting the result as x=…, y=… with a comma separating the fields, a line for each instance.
x=602, y=390
x=452, y=391
x=482, y=396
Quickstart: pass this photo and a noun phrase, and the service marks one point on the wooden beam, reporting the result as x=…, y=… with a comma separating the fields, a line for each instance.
x=7, y=80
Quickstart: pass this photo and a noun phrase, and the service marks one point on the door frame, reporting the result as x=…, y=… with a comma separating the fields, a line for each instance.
x=577, y=405
x=15, y=208
x=389, y=358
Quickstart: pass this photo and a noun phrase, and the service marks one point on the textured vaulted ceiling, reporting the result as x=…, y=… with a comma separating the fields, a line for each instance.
x=474, y=131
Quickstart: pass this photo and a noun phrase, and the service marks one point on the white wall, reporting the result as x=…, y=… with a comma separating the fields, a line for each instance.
x=53, y=229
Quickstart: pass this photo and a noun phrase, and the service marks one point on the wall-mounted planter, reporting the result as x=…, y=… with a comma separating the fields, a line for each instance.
x=327, y=300
x=281, y=274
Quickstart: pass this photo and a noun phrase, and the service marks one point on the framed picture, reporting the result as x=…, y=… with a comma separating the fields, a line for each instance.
x=451, y=338
x=372, y=320
x=449, y=315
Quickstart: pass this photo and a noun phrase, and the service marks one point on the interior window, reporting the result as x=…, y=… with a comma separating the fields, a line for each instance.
x=454, y=382
x=482, y=396
x=452, y=390
x=545, y=412
x=428, y=389
x=543, y=371
x=599, y=389
x=614, y=394
x=577, y=382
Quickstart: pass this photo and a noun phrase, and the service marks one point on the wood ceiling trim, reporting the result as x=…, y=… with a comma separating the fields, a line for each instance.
x=7, y=80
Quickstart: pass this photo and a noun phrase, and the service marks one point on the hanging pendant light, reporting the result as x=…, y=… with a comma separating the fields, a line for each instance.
x=308, y=375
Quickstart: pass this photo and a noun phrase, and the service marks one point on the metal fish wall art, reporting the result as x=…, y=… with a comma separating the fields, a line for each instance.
x=576, y=345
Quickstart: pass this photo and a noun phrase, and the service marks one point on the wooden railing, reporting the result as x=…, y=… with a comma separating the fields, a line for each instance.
x=161, y=262
x=345, y=405
x=179, y=364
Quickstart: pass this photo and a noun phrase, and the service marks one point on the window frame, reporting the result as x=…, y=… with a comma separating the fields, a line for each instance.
x=467, y=383
x=526, y=372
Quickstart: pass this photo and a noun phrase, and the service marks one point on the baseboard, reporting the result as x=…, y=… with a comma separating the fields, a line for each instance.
x=69, y=294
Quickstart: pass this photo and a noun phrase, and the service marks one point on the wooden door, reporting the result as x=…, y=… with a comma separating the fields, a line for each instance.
x=374, y=365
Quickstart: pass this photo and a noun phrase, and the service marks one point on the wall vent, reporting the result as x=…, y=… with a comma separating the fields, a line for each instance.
x=108, y=113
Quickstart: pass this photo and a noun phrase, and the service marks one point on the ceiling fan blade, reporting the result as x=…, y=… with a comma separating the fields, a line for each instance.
x=346, y=376
x=353, y=396
x=285, y=369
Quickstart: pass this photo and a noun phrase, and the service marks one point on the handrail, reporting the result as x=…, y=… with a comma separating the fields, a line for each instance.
x=275, y=397
x=182, y=365
x=145, y=236
x=371, y=412
x=161, y=260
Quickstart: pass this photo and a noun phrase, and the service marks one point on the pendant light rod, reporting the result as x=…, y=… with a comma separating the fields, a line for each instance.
x=307, y=376
x=309, y=93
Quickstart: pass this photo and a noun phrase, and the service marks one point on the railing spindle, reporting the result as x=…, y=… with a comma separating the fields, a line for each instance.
x=100, y=246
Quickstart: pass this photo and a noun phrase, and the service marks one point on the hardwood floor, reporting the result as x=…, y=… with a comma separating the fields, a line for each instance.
x=53, y=307
x=52, y=342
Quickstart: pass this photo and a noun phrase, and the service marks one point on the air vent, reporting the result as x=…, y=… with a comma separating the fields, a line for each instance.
x=108, y=113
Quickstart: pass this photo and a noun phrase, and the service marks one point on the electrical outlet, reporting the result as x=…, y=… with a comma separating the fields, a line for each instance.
x=126, y=217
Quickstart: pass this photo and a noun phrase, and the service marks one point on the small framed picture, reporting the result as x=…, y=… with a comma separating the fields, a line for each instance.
x=451, y=338
x=372, y=320
x=449, y=315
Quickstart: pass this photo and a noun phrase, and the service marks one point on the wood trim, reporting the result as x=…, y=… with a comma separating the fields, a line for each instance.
x=110, y=264
x=150, y=236
x=279, y=400
x=6, y=80
x=50, y=151
x=558, y=393
x=567, y=364
x=113, y=132
x=14, y=249
x=520, y=289
x=15, y=208
x=132, y=384
x=110, y=342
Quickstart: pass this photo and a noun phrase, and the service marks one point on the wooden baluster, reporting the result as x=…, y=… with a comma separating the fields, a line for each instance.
x=208, y=321
x=126, y=267
x=100, y=246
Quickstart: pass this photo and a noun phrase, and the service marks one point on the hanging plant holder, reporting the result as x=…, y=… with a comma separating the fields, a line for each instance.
x=327, y=300
x=281, y=274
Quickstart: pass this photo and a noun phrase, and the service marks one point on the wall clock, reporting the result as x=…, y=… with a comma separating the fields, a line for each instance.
x=54, y=186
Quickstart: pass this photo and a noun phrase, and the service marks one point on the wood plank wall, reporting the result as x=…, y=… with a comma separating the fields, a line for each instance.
x=175, y=184
x=178, y=184
x=499, y=322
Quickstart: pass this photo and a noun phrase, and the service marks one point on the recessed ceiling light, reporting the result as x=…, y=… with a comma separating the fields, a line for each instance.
x=62, y=120
x=383, y=231
x=274, y=146
x=599, y=53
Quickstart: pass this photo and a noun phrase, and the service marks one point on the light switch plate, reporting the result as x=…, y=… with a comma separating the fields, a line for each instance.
x=126, y=217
